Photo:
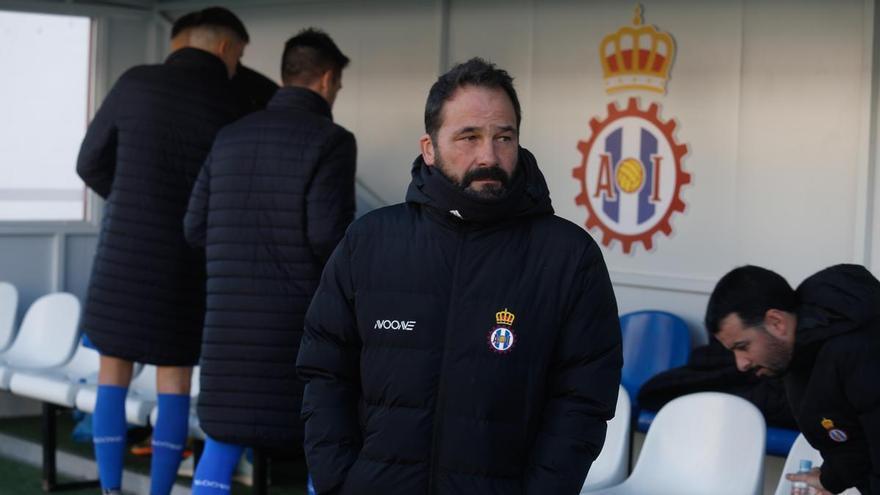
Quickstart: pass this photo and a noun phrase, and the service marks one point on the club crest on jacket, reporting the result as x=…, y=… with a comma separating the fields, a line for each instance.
x=835, y=434
x=502, y=338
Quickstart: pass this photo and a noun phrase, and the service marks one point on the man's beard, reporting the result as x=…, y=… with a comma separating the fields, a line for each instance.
x=488, y=191
x=778, y=357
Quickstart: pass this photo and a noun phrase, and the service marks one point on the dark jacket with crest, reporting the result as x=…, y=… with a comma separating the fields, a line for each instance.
x=142, y=153
x=459, y=346
x=271, y=203
x=833, y=382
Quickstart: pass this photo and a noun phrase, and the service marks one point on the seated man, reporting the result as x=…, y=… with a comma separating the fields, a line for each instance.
x=824, y=338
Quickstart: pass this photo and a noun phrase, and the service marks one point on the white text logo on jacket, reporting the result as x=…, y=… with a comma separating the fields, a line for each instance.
x=406, y=325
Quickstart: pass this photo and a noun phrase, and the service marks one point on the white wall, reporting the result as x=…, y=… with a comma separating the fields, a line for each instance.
x=773, y=99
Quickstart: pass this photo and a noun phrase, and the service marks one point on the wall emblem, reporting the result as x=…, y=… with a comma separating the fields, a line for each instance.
x=631, y=171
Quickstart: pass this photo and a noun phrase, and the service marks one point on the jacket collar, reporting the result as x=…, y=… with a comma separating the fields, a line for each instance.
x=528, y=195
x=193, y=58
x=299, y=98
x=835, y=301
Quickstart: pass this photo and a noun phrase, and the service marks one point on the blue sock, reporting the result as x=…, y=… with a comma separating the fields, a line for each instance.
x=108, y=434
x=216, y=466
x=169, y=437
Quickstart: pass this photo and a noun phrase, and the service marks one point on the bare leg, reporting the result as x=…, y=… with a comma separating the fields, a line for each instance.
x=173, y=379
x=114, y=371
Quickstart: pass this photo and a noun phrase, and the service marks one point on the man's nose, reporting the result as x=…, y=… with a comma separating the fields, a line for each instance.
x=743, y=363
x=488, y=156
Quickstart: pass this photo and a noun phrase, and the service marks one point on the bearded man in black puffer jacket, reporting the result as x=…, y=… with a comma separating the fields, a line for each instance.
x=824, y=339
x=466, y=341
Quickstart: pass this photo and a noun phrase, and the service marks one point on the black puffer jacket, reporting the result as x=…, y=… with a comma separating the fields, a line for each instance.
x=832, y=382
x=254, y=90
x=143, y=152
x=271, y=203
x=712, y=368
x=417, y=381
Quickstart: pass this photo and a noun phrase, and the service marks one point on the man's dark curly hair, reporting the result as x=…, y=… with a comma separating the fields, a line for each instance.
x=474, y=72
x=308, y=55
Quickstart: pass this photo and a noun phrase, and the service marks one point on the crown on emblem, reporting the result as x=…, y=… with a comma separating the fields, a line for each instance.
x=504, y=317
x=636, y=57
x=827, y=423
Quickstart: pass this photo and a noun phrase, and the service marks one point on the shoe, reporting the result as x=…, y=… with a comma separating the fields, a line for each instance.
x=187, y=467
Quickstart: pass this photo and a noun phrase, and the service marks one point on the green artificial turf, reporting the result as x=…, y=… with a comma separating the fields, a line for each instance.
x=287, y=476
x=23, y=479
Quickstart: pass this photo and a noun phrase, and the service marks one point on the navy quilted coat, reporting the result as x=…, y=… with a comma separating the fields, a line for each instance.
x=471, y=355
x=142, y=153
x=272, y=201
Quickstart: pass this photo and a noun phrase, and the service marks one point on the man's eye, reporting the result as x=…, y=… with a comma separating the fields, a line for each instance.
x=505, y=139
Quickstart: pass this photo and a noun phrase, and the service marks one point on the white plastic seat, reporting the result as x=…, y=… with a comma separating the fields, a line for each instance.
x=58, y=385
x=139, y=402
x=700, y=443
x=46, y=338
x=801, y=449
x=610, y=467
x=8, y=310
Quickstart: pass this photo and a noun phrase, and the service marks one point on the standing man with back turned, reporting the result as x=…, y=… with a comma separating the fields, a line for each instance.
x=271, y=203
x=824, y=339
x=467, y=341
x=253, y=89
x=142, y=154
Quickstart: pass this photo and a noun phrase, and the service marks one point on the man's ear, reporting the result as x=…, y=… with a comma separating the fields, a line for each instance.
x=224, y=45
x=776, y=323
x=427, y=146
x=327, y=80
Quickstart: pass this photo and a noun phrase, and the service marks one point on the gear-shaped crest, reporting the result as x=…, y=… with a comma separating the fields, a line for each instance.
x=667, y=129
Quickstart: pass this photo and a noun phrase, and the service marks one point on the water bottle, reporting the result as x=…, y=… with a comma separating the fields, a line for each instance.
x=801, y=487
x=310, y=487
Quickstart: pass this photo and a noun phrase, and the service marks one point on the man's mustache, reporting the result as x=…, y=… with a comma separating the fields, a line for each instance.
x=485, y=173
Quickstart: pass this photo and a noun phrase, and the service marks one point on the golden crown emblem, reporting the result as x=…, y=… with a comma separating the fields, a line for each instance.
x=637, y=57
x=827, y=423
x=504, y=317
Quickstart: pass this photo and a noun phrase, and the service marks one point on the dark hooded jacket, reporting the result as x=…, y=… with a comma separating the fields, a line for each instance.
x=272, y=201
x=142, y=153
x=460, y=346
x=833, y=382
x=253, y=89
x=712, y=368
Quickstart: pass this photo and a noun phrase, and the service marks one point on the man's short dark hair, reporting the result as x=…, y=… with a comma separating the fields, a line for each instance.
x=217, y=17
x=474, y=72
x=310, y=54
x=749, y=291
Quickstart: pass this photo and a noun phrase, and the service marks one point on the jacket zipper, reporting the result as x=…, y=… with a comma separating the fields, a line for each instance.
x=441, y=385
